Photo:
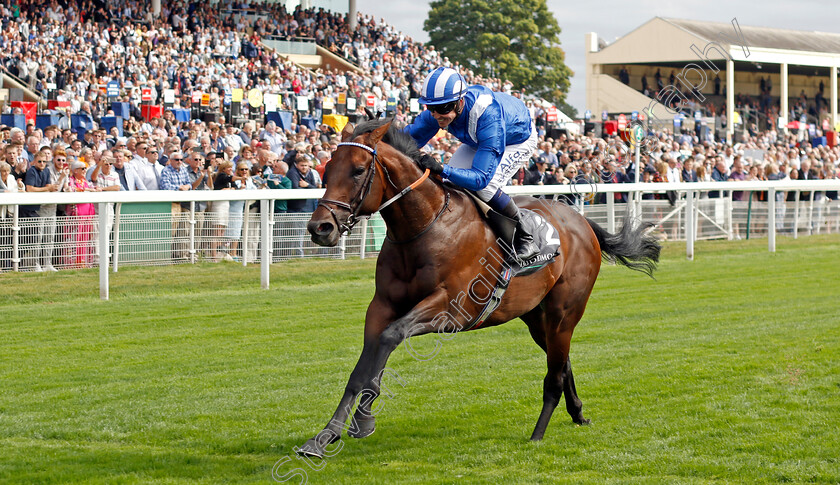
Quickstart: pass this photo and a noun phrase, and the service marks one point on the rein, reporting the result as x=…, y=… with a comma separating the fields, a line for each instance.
x=354, y=218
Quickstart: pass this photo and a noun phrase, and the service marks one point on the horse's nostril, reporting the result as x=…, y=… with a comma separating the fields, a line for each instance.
x=325, y=228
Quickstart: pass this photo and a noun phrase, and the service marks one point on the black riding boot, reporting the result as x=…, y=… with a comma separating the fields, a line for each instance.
x=523, y=240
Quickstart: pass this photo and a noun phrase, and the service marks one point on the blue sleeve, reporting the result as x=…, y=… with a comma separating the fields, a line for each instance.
x=423, y=129
x=490, y=134
x=475, y=178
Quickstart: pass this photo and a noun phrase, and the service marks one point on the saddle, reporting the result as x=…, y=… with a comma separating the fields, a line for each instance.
x=545, y=236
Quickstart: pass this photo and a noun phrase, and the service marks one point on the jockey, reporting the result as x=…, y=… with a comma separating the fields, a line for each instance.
x=497, y=137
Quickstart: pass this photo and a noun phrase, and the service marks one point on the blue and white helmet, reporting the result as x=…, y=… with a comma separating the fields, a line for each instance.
x=443, y=85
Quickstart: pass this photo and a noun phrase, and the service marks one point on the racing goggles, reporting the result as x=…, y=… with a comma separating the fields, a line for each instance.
x=443, y=109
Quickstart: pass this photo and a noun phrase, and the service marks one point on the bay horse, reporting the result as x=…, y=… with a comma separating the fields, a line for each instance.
x=437, y=247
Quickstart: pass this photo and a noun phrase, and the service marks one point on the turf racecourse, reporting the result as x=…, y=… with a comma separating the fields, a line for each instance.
x=723, y=370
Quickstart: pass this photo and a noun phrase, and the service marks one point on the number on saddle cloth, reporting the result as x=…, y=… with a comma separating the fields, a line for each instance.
x=545, y=236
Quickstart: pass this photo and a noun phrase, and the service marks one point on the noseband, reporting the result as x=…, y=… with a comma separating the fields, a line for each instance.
x=354, y=218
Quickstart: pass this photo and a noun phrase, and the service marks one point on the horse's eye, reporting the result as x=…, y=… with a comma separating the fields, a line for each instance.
x=358, y=171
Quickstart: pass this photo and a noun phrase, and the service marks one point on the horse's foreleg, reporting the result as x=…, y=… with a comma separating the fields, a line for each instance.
x=317, y=446
x=377, y=318
x=417, y=322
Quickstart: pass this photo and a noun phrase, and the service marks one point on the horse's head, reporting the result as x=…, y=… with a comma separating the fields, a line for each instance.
x=352, y=186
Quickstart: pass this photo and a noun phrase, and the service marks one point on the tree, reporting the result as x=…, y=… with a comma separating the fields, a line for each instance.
x=516, y=40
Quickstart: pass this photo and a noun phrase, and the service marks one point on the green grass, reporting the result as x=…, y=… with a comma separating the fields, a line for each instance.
x=723, y=370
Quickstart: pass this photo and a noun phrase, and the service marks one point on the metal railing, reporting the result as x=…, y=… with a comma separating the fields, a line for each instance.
x=293, y=45
x=176, y=235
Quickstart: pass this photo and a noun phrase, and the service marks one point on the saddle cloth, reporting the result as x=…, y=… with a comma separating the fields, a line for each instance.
x=548, y=240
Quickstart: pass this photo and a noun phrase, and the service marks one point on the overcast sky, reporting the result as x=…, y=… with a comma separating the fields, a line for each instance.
x=615, y=19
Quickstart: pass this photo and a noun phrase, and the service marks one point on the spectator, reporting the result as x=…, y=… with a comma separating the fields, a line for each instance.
x=323, y=157
x=688, y=172
x=537, y=174
x=59, y=172
x=570, y=174
x=703, y=174
x=233, y=140
x=241, y=181
x=273, y=138
x=772, y=173
x=7, y=184
x=198, y=168
x=220, y=210
x=37, y=179
x=32, y=147
x=175, y=176
x=613, y=176
x=104, y=176
x=129, y=179
x=546, y=154
x=737, y=174
x=146, y=166
x=279, y=180
x=718, y=175
x=82, y=230
x=246, y=133
x=246, y=156
x=302, y=177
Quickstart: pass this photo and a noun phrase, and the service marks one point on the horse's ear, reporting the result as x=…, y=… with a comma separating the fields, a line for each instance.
x=347, y=132
x=377, y=134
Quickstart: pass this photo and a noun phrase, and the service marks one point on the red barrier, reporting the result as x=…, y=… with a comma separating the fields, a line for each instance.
x=150, y=111
x=56, y=104
x=29, y=108
x=831, y=138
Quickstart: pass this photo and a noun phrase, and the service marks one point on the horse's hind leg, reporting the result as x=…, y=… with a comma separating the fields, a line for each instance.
x=573, y=404
x=552, y=384
x=556, y=339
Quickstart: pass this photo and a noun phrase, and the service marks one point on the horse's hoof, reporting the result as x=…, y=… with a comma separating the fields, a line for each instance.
x=311, y=449
x=581, y=421
x=366, y=427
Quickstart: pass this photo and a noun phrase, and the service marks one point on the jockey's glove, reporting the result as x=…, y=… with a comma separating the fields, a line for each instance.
x=434, y=166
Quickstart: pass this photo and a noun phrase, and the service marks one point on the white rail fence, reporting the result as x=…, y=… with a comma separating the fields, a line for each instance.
x=793, y=208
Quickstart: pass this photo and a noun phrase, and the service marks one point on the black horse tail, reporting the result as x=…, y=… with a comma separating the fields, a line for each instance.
x=634, y=247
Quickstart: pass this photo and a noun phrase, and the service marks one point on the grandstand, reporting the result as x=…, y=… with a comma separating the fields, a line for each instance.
x=210, y=47
x=774, y=76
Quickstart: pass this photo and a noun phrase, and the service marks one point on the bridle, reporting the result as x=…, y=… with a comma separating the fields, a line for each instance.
x=354, y=218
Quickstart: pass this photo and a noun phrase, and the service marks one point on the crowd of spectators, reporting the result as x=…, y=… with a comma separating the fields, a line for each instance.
x=81, y=45
x=585, y=159
x=761, y=111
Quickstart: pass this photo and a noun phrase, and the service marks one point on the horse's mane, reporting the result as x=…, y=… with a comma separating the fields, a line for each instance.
x=395, y=137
